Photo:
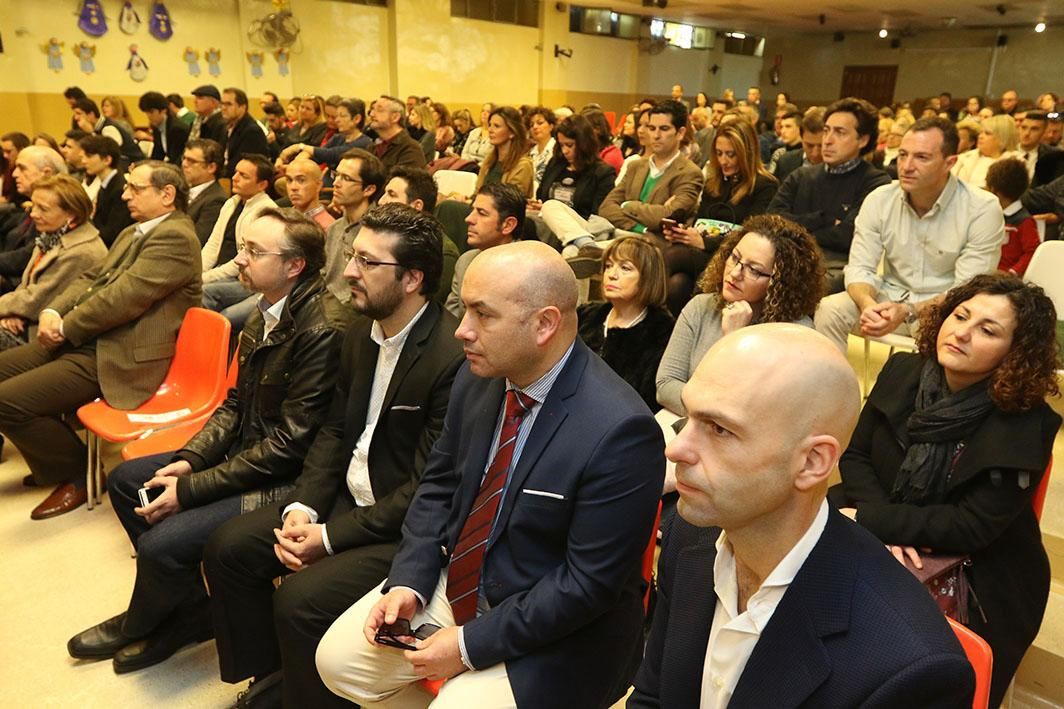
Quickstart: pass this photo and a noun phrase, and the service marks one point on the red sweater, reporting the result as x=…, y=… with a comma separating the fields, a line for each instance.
x=1020, y=245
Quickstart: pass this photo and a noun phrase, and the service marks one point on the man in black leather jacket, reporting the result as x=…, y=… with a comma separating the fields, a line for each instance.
x=245, y=456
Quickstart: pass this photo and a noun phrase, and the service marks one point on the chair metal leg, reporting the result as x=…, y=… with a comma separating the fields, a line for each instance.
x=90, y=470
x=867, y=355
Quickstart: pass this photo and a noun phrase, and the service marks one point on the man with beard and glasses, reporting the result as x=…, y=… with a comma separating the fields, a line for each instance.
x=341, y=525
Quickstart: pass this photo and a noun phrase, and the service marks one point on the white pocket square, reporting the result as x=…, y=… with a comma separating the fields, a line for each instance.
x=543, y=493
x=403, y=407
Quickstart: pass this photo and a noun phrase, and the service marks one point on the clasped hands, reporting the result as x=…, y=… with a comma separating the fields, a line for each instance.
x=882, y=319
x=49, y=331
x=437, y=657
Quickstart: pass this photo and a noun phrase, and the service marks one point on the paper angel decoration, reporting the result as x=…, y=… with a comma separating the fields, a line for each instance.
x=85, y=51
x=54, y=50
x=255, y=59
x=213, y=56
x=191, y=57
x=281, y=55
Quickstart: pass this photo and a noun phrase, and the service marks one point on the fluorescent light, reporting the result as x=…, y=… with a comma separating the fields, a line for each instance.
x=737, y=35
x=883, y=34
x=1040, y=27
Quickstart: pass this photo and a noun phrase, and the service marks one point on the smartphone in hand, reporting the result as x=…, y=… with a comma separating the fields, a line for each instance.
x=148, y=495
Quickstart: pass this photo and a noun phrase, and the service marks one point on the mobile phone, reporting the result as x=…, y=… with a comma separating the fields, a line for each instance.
x=669, y=224
x=148, y=494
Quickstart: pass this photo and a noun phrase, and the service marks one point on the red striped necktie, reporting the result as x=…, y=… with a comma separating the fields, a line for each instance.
x=463, y=575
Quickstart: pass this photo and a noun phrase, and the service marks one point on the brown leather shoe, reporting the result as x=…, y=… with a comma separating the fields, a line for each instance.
x=64, y=498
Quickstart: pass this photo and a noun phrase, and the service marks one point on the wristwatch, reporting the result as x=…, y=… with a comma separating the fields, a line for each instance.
x=913, y=315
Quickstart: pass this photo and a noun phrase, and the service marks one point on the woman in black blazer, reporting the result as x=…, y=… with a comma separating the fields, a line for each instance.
x=951, y=446
x=576, y=176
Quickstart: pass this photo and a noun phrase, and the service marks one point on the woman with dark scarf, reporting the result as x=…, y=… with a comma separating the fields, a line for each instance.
x=951, y=446
x=67, y=245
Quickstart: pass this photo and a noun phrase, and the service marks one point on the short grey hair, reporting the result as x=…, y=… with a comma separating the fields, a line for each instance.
x=45, y=159
x=164, y=174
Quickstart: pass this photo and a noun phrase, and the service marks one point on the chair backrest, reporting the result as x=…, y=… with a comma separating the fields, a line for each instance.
x=199, y=365
x=982, y=659
x=1038, y=501
x=1044, y=270
x=455, y=182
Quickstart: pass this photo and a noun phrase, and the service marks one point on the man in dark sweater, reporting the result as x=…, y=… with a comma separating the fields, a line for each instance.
x=825, y=199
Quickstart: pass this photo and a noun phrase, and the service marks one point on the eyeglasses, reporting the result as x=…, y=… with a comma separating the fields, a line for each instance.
x=389, y=634
x=192, y=161
x=747, y=270
x=366, y=264
x=255, y=254
x=338, y=177
x=135, y=188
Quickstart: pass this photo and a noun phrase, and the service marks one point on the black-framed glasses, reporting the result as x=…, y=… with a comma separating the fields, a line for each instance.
x=390, y=633
x=192, y=161
x=338, y=177
x=366, y=264
x=747, y=269
x=255, y=254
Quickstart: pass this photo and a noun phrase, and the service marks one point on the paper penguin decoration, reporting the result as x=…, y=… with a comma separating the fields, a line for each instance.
x=128, y=19
x=137, y=67
x=91, y=19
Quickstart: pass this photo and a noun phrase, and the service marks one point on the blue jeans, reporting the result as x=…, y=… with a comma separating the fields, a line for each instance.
x=168, y=552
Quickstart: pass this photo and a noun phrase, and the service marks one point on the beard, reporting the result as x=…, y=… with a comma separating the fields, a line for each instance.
x=379, y=305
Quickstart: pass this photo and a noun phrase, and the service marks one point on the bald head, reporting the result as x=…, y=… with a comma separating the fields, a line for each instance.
x=35, y=162
x=536, y=275
x=305, y=167
x=304, y=183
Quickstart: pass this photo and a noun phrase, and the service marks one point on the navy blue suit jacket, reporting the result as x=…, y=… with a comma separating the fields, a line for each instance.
x=562, y=570
x=854, y=629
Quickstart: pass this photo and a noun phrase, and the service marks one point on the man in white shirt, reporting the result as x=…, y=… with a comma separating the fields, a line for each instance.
x=806, y=608
x=930, y=230
x=340, y=526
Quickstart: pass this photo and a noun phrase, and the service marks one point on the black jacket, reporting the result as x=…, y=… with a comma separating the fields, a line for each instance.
x=214, y=128
x=17, y=247
x=246, y=137
x=788, y=163
x=986, y=513
x=256, y=441
x=176, y=137
x=591, y=185
x=410, y=421
x=635, y=352
x=817, y=200
x=755, y=203
x=129, y=147
x=204, y=210
x=112, y=214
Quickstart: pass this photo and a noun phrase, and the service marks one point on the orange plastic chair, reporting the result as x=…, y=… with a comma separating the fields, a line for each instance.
x=175, y=437
x=1039, y=499
x=432, y=686
x=982, y=659
x=191, y=387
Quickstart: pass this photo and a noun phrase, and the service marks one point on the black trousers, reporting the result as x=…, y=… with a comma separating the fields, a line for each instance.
x=259, y=630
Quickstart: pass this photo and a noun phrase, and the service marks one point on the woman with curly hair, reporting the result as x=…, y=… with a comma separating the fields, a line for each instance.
x=951, y=446
x=767, y=271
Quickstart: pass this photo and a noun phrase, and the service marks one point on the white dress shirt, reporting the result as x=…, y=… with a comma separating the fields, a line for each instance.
x=271, y=314
x=733, y=635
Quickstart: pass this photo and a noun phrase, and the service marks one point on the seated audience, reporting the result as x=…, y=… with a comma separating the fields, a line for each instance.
x=508, y=161
x=168, y=134
x=421, y=125
x=555, y=609
x=350, y=120
x=1046, y=204
x=826, y=200
x=967, y=133
x=664, y=185
x=769, y=597
x=11, y=144
x=477, y=146
x=951, y=447
x=341, y=525
x=115, y=109
x=971, y=108
x=573, y=186
x=276, y=128
x=630, y=330
x=642, y=146
x=74, y=156
x=929, y=230
x=812, y=133
x=222, y=287
x=357, y=185
x=244, y=135
x=998, y=140
x=444, y=129
x=310, y=129
x=89, y=120
x=176, y=106
x=790, y=138
x=201, y=164
x=393, y=146
x=304, y=191
x=496, y=218
x=1007, y=180
x=540, y=122
x=66, y=246
x=1047, y=102
x=1044, y=163
x=463, y=125
x=737, y=187
x=415, y=188
x=18, y=231
x=245, y=456
x=610, y=153
x=703, y=135
x=111, y=333
x=208, y=122
x=45, y=140
x=626, y=139
x=1054, y=129
x=767, y=271
x=110, y=214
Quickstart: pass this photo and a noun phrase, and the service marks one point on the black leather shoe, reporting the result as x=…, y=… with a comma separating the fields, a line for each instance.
x=159, y=646
x=100, y=641
x=262, y=693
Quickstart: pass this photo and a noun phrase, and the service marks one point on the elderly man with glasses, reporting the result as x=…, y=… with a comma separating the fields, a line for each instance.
x=111, y=333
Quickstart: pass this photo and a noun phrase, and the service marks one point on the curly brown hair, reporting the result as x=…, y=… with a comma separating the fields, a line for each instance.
x=797, y=281
x=1027, y=374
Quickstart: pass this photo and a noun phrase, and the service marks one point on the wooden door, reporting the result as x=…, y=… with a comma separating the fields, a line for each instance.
x=872, y=83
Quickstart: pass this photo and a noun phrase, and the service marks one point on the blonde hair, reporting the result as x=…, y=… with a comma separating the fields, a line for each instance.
x=1003, y=128
x=748, y=155
x=424, y=112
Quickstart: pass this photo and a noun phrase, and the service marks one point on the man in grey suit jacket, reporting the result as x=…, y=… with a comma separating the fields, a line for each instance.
x=201, y=164
x=341, y=525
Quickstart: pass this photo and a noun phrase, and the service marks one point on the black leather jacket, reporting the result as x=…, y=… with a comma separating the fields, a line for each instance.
x=255, y=442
